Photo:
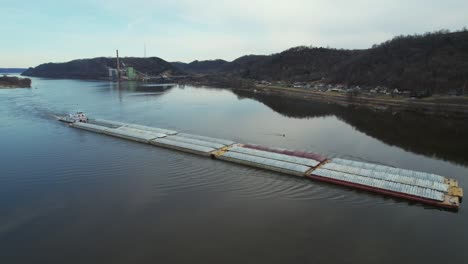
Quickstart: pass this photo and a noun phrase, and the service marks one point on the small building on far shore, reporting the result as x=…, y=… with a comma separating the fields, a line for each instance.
x=131, y=73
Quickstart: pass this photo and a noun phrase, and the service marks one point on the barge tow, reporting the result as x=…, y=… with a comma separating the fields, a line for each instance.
x=422, y=187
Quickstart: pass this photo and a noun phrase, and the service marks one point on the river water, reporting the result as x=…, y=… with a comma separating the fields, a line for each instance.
x=72, y=196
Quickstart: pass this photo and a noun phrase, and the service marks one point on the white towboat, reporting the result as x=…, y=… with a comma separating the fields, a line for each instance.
x=73, y=118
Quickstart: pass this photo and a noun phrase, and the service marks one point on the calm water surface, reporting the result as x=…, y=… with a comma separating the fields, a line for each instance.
x=71, y=196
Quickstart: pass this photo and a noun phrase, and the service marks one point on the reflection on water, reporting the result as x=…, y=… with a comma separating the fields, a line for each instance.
x=131, y=86
x=140, y=89
x=430, y=136
x=71, y=196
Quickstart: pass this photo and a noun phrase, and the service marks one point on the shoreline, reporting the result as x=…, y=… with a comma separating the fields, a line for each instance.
x=436, y=105
x=426, y=106
x=9, y=82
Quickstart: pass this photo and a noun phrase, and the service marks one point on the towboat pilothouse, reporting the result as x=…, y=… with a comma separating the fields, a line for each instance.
x=73, y=118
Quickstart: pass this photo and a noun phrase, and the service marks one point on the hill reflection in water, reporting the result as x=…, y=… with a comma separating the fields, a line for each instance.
x=431, y=136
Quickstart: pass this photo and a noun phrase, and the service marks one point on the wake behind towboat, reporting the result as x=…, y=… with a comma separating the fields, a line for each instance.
x=411, y=185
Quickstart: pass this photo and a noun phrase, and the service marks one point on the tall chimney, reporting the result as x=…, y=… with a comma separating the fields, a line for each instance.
x=118, y=65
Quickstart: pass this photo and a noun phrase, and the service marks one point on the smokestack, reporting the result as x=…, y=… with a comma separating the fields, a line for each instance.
x=118, y=65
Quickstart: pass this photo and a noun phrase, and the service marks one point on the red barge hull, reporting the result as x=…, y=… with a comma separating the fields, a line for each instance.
x=386, y=192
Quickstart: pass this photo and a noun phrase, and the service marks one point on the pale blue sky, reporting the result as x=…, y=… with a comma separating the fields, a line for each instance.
x=35, y=32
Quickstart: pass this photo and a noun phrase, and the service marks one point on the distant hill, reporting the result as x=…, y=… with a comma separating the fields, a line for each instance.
x=12, y=70
x=207, y=66
x=436, y=62
x=97, y=68
x=242, y=65
x=295, y=64
x=432, y=63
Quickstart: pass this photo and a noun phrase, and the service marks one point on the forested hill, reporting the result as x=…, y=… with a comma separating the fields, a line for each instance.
x=97, y=68
x=201, y=66
x=434, y=62
x=437, y=62
x=430, y=63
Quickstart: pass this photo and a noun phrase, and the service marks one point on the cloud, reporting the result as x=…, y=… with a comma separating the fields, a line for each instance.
x=271, y=26
x=186, y=30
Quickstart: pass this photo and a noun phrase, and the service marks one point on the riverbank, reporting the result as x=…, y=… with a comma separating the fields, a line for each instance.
x=14, y=82
x=436, y=105
x=444, y=106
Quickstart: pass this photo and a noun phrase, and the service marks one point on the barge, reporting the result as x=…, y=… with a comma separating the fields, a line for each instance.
x=421, y=187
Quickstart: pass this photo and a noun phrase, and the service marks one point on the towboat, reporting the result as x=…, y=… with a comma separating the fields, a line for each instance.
x=73, y=118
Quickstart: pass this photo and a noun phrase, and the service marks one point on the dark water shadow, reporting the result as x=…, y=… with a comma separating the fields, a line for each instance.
x=435, y=137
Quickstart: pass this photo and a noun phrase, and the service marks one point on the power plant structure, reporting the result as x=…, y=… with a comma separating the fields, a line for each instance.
x=123, y=72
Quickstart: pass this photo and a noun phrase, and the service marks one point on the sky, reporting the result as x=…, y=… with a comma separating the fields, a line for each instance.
x=39, y=31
